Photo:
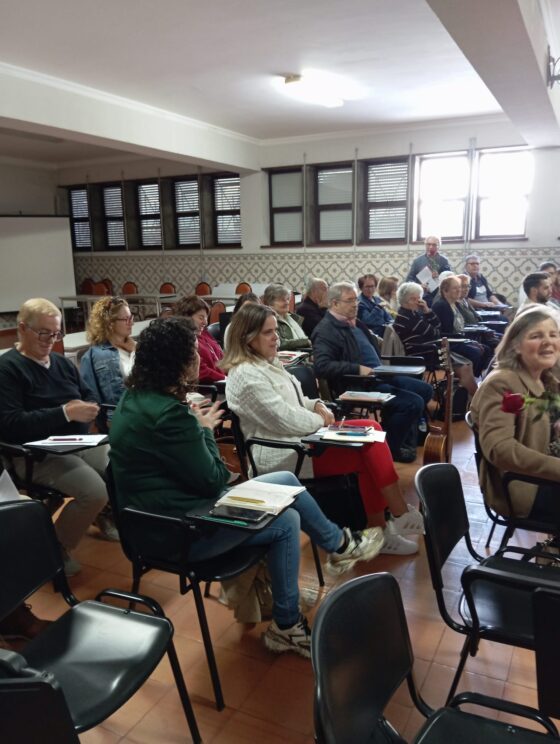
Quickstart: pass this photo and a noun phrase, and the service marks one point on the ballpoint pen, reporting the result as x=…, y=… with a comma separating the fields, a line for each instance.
x=66, y=439
x=341, y=422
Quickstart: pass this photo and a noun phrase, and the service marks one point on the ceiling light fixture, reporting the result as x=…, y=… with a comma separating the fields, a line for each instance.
x=319, y=88
x=551, y=75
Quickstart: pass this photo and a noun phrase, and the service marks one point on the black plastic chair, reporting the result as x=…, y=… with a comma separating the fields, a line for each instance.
x=495, y=604
x=510, y=523
x=51, y=497
x=155, y=541
x=86, y=664
x=361, y=654
x=546, y=609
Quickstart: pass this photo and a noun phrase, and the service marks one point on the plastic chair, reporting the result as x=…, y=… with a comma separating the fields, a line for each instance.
x=129, y=288
x=216, y=310
x=243, y=288
x=511, y=523
x=495, y=604
x=167, y=288
x=51, y=497
x=86, y=664
x=154, y=541
x=361, y=654
x=109, y=284
x=86, y=287
x=215, y=331
x=203, y=288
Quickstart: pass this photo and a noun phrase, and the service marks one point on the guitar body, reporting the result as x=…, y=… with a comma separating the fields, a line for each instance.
x=438, y=444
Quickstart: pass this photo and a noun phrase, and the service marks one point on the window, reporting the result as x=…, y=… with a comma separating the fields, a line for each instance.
x=187, y=211
x=114, y=216
x=149, y=214
x=334, y=205
x=505, y=180
x=227, y=210
x=286, y=207
x=387, y=195
x=442, y=194
x=79, y=219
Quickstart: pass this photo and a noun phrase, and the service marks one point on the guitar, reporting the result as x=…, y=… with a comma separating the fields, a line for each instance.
x=438, y=444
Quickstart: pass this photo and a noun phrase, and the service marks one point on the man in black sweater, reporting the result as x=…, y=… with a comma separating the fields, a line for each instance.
x=41, y=395
x=314, y=306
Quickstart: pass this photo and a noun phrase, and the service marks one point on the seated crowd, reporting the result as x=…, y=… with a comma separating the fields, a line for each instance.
x=163, y=448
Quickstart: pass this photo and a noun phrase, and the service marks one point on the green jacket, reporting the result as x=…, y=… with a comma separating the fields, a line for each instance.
x=162, y=459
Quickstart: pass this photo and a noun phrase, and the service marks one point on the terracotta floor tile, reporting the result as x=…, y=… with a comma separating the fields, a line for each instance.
x=136, y=708
x=99, y=735
x=522, y=669
x=425, y=635
x=245, y=729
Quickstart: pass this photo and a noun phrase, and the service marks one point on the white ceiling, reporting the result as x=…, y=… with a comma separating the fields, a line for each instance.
x=214, y=61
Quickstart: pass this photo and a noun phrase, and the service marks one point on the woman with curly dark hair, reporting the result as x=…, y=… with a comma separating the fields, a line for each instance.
x=165, y=459
x=197, y=310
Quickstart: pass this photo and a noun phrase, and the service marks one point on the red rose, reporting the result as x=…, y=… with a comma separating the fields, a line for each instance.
x=513, y=402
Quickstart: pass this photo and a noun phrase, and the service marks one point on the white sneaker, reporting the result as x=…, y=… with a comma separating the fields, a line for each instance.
x=71, y=565
x=409, y=523
x=362, y=546
x=297, y=638
x=397, y=545
x=106, y=527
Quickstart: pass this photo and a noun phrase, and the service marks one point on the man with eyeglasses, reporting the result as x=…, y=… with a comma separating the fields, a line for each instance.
x=433, y=260
x=42, y=395
x=343, y=345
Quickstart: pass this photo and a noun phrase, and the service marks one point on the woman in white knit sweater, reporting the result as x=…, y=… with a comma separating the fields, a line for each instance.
x=270, y=404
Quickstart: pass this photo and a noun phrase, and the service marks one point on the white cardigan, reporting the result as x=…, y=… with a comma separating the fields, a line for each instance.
x=270, y=404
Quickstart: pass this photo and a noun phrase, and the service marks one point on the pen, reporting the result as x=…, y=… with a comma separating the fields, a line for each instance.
x=227, y=521
x=341, y=423
x=350, y=434
x=65, y=439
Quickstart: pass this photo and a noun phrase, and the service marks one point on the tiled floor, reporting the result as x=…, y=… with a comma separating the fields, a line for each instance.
x=269, y=698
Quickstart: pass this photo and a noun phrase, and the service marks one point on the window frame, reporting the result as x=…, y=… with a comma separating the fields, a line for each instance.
x=365, y=205
x=188, y=213
x=219, y=212
x=151, y=216
x=339, y=207
x=272, y=211
x=80, y=220
x=107, y=218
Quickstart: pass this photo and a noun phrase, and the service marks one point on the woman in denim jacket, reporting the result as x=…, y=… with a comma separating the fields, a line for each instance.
x=108, y=361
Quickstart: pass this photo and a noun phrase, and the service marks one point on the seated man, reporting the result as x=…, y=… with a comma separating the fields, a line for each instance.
x=370, y=308
x=42, y=394
x=481, y=295
x=343, y=345
x=314, y=305
x=431, y=259
x=538, y=289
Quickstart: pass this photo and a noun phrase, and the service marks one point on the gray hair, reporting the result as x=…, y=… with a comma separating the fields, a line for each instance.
x=406, y=290
x=336, y=290
x=314, y=283
x=275, y=292
x=472, y=257
x=507, y=356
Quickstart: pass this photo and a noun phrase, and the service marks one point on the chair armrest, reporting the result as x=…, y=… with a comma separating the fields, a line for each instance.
x=297, y=447
x=210, y=390
x=403, y=360
x=509, y=477
x=506, y=706
x=148, y=602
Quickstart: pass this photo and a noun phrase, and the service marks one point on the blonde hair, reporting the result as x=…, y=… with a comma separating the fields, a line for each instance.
x=102, y=318
x=245, y=325
x=34, y=307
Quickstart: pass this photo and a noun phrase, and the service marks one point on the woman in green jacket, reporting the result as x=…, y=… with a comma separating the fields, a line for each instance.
x=165, y=459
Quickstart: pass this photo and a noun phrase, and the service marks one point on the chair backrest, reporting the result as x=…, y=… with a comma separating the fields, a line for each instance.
x=215, y=331
x=215, y=311
x=86, y=287
x=167, y=288
x=307, y=379
x=129, y=288
x=445, y=515
x=100, y=288
x=292, y=305
x=243, y=288
x=203, y=288
x=546, y=609
x=109, y=284
x=32, y=704
x=239, y=441
x=361, y=653
x=29, y=552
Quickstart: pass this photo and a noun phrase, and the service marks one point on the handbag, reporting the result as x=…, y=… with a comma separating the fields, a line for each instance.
x=339, y=498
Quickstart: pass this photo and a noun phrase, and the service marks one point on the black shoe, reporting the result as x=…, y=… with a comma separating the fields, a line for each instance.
x=405, y=455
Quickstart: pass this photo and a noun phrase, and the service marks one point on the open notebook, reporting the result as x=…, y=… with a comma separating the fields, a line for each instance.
x=268, y=497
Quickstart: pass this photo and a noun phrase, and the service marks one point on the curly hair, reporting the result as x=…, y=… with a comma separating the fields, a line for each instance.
x=102, y=318
x=188, y=306
x=166, y=348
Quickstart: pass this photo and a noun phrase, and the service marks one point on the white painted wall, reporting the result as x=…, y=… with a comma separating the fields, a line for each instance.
x=26, y=190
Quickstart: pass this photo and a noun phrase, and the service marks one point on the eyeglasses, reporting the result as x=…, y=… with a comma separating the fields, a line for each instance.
x=46, y=335
x=435, y=245
x=128, y=319
x=352, y=301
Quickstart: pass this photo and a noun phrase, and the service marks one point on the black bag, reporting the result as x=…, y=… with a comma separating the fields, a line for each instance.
x=459, y=403
x=339, y=499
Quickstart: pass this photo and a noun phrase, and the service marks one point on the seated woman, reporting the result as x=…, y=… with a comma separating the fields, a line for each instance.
x=209, y=349
x=165, y=460
x=517, y=431
x=270, y=404
x=387, y=292
x=419, y=328
x=291, y=334
x=241, y=300
x=108, y=361
x=453, y=324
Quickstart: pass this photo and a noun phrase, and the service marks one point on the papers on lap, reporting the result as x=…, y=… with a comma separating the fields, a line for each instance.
x=371, y=396
x=268, y=497
x=85, y=440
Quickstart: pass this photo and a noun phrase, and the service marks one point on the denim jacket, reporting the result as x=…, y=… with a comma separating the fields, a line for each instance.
x=100, y=369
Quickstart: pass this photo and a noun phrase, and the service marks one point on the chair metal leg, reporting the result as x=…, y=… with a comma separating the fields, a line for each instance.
x=508, y=534
x=462, y=662
x=490, y=535
x=212, y=666
x=207, y=589
x=183, y=693
x=318, y=565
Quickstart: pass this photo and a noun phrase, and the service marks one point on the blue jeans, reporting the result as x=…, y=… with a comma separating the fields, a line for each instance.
x=400, y=415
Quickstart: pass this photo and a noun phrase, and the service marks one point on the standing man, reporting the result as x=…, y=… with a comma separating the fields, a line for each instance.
x=432, y=260
x=343, y=345
x=41, y=395
x=481, y=295
x=314, y=305
x=370, y=308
